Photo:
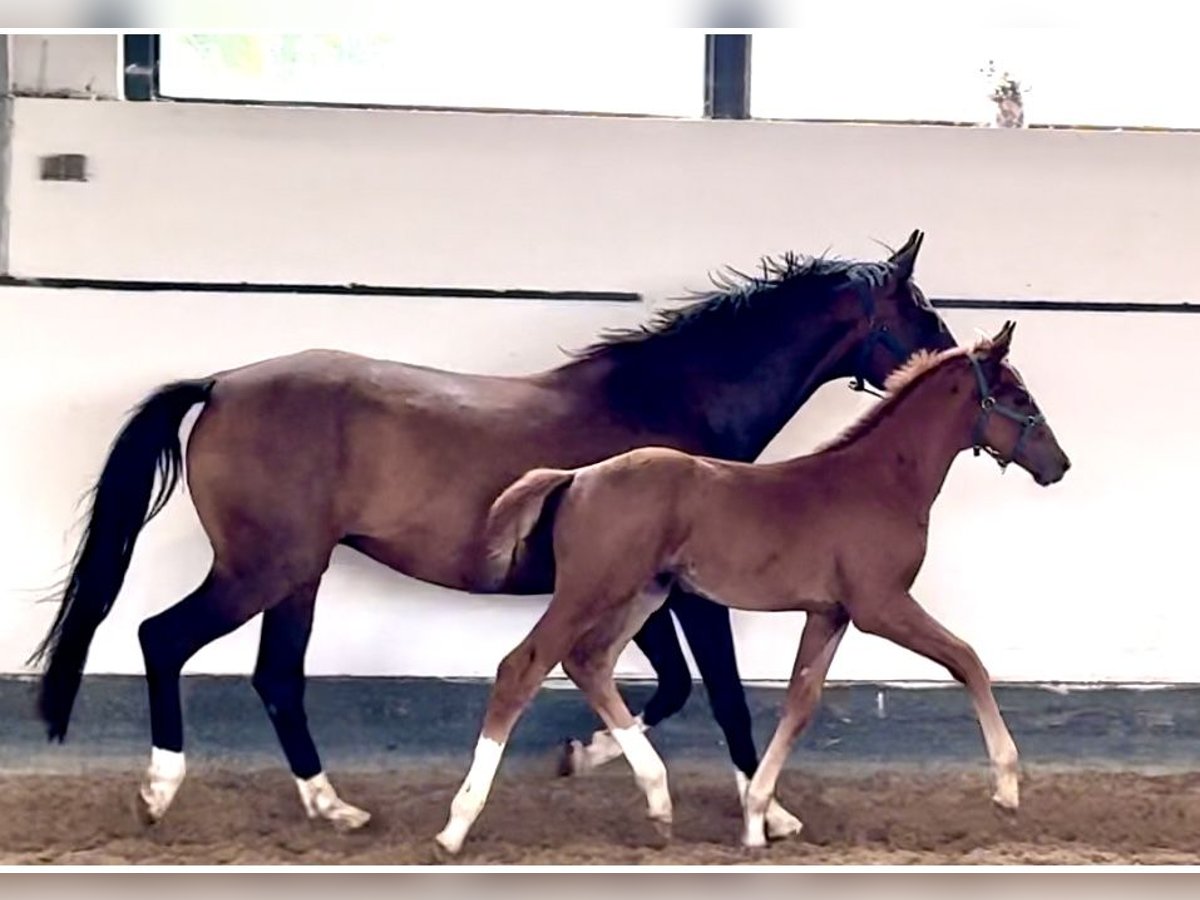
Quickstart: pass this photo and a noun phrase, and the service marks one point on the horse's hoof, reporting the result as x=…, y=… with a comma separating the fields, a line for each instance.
x=570, y=759
x=141, y=809
x=349, y=818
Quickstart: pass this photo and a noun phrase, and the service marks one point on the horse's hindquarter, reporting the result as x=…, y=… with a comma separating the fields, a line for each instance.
x=398, y=461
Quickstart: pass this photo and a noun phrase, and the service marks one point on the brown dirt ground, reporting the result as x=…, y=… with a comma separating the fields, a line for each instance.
x=254, y=818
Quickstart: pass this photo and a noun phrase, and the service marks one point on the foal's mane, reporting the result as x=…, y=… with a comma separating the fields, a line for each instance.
x=902, y=382
x=737, y=296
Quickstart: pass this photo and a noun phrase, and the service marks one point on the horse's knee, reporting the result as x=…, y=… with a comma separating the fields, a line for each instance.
x=159, y=651
x=670, y=697
x=278, y=690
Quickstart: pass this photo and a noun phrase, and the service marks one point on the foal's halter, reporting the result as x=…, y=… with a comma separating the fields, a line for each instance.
x=987, y=406
x=877, y=333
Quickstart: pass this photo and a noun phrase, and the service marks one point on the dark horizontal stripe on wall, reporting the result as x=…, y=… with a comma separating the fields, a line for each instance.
x=1107, y=306
x=380, y=723
x=396, y=290
x=363, y=290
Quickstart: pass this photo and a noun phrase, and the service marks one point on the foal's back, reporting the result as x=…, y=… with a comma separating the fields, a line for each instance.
x=756, y=537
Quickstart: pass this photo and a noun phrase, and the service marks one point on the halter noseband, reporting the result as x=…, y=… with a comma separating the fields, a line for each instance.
x=987, y=406
x=877, y=333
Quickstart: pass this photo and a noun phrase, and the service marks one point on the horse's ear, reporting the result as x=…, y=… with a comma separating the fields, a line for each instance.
x=1000, y=344
x=905, y=259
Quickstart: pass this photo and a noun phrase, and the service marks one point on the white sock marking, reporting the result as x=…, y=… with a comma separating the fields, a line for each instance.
x=775, y=822
x=647, y=767
x=321, y=801
x=473, y=793
x=163, y=778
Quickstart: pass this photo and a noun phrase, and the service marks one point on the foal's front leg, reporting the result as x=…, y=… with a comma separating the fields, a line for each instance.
x=901, y=620
x=818, y=644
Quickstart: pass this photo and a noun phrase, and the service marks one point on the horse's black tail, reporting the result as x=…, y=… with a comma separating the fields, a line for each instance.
x=122, y=502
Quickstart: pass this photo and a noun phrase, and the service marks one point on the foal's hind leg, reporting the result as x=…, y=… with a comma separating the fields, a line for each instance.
x=279, y=681
x=709, y=633
x=590, y=665
x=818, y=643
x=169, y=639
x=660, y=644
x=594, y=678
x=518, y=678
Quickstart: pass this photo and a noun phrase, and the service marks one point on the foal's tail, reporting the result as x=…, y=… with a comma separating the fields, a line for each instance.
x=123, y=501
x=517, y=511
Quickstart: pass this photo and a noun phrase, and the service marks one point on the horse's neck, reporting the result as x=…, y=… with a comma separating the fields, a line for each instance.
x=920, y=438
x=729, y=402
x=742, y=409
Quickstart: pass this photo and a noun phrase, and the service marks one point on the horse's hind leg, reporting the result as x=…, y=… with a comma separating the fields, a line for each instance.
x=818, y=644
x=279, y=681
x=221, y=604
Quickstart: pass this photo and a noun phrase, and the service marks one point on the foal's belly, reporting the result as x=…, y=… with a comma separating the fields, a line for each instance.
x=763, y=588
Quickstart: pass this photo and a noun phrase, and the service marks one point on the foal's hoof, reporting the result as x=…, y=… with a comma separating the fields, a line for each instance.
x=754, y=840
x=1006, y=803
x=450, y=839
x=1007, y=795
x=781, y=823
x=572, y=760
x=662, y=833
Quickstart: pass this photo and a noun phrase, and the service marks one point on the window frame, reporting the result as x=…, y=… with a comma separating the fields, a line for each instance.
x=725, y=80
x=728, y=60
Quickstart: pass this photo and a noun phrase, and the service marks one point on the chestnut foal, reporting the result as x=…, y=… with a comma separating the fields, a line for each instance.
x=840, y=534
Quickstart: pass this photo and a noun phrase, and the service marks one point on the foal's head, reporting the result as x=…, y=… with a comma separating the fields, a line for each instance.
x=900, y=320
x=1010, y=427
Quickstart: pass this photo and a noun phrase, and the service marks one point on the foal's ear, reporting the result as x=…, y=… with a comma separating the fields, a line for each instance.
x=905, y=258
x=1001, y=343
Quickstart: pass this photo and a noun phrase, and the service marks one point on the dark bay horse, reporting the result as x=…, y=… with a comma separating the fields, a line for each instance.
x=292, y=456
x=840, y=534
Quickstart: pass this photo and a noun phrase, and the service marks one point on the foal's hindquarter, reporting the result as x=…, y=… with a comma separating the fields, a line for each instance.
x=839, y=534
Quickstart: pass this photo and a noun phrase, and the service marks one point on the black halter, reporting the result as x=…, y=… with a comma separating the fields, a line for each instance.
x=877, y=334
x=987, y=406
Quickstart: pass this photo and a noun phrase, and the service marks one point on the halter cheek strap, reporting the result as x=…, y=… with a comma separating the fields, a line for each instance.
x=877, y=333
x=987, y=406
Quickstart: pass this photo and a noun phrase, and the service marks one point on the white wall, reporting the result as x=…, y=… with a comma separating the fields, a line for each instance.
x=1089, y=580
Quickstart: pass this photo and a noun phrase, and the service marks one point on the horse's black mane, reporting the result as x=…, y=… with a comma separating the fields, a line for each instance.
x=790, y=277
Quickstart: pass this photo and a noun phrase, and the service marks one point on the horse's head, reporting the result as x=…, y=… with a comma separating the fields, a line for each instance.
x=900, y=321
x=1010, y=427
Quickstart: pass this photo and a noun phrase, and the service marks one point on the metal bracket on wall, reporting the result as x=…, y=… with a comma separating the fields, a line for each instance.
x=63, y=167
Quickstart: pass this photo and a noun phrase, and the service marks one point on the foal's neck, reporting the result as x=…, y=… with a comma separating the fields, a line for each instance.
x=920, y=438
